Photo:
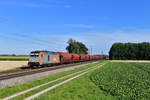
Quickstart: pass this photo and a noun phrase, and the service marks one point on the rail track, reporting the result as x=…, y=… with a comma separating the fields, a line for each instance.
x=9, y=75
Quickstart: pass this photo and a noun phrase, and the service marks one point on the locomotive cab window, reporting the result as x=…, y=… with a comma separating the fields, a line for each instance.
x=33, y=55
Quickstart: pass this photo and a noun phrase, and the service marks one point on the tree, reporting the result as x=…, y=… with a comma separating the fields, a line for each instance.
x=130, y=51
x=76, y=47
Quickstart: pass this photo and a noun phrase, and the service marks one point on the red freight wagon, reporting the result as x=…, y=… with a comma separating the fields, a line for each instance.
x=75, y=58
x=100, y=57
x=91, y=57
x=65, y=57
x=82, y=57
x=87, y=57
x=95, y=57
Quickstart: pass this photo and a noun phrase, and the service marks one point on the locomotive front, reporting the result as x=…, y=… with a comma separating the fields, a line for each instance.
x=34, y=59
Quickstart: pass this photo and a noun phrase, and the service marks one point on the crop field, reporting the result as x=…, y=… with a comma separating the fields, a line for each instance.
x=11, y=65
x=125, y=81
x=14, y=58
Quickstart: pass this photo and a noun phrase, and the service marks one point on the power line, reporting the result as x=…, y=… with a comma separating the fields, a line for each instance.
x=17, y=39
x=33, y=40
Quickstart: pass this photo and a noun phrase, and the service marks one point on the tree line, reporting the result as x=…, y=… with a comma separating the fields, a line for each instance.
x=76, y=47
x=130, y=51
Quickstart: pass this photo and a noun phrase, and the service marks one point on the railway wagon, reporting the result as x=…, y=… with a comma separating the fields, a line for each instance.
x=82, y=57
x=41, y=58
x=99, y=57
x=65, y=57
x=87, y=57
x=75, y=58
x=94, y=57
x=91, y=57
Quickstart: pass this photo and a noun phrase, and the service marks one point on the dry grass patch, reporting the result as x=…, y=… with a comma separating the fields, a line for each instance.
x=7, y=65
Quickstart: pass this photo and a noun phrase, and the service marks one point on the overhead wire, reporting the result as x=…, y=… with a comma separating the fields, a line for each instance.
x=32, y=40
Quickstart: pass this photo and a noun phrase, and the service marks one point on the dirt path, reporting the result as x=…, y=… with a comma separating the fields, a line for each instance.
x=7, y=65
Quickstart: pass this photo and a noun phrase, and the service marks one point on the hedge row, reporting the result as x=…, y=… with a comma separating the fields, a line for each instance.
x=130, y=51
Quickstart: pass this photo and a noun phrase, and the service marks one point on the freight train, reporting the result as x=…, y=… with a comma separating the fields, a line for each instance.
x=48, y=58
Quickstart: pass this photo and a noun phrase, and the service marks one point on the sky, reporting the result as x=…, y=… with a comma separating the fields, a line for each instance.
x=27, y=25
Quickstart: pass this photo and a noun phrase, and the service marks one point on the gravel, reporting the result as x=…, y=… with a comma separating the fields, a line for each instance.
x=27, y=78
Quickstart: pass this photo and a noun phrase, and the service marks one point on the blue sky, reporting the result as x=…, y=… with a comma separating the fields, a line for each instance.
x=27, y=25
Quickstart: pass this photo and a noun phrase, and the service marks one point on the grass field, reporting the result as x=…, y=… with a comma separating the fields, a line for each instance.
x=126, y=81
x=14, y=58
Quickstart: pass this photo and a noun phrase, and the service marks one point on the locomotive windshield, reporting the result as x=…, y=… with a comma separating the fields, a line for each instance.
x=34, y=54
